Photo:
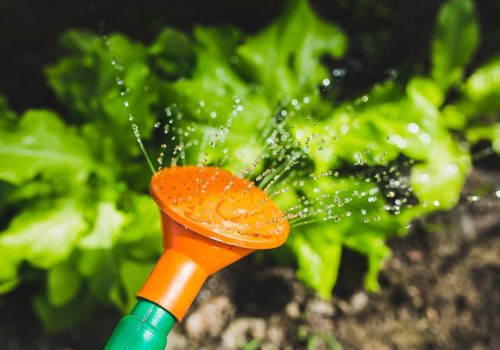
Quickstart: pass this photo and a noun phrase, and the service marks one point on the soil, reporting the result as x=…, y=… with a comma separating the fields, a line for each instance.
x=439, y=290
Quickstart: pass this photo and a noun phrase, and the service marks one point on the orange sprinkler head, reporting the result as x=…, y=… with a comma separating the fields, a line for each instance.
x=211, y=219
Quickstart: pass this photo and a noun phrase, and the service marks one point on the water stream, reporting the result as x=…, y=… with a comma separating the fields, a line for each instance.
x=279, y=169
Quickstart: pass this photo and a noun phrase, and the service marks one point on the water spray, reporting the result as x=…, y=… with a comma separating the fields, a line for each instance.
x=210, y=218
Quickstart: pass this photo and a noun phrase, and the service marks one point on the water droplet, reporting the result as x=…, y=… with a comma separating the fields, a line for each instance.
x=359, y=160
x=425, y=138
x=473, y=198
x=338, y=72
x=344, y=129
x=452, y=169
x=425, y=178
x=413, y=128
x=398, y=141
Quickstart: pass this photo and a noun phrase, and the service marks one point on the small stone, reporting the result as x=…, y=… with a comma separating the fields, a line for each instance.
x=176, y=341
x=415, y=255
x=242, y=331
x=275, y=335
x=359, y=301
x=375, y=344
x=431, y=313
x=210, y=318
x=292, y=310
x=320, y=307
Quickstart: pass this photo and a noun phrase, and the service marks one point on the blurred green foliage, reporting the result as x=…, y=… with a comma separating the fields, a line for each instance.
x=75, y=192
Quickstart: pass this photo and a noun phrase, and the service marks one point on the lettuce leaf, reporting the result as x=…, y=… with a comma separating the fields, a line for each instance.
x=42, y=143
x=455, y=41
x=44, y=236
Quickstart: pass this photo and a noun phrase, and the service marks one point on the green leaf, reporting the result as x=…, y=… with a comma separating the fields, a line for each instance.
x=423, y=91
x=63, y=283
x=318, y=249
x=46, y=235
x=485, y=80
x=455, y=40
x=9, y=278
x=99, y=76
x=323, y=340
x=60, y=318
x=42, y=144
x=454, y=116
x=173, y=54
x=6, y=115
x=239, y=87
x=216, y=99
x=108, y=224
x=483, y=88
x=143, y=222
x=490, y=133
x=446, y=167
x=133, y=274
x=284, y=58
x=371, y=243
x=100, y=269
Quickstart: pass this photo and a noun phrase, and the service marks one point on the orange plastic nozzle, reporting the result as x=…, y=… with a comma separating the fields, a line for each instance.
x=211, y=219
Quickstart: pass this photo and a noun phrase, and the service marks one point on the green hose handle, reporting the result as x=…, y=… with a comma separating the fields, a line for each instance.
x=145, y=328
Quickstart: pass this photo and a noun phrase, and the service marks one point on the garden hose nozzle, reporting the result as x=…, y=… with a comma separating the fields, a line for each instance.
x=210, y=219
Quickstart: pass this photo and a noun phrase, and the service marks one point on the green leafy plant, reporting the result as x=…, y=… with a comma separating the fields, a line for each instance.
x=74, y=194
x=330, y=342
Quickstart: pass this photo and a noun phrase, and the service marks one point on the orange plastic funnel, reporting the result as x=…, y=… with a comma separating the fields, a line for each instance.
x=211, y=219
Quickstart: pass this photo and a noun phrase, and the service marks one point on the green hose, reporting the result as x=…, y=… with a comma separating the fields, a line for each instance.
x=145, y=328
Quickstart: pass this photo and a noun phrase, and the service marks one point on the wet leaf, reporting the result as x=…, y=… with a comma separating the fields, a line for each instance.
x=455, y=41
